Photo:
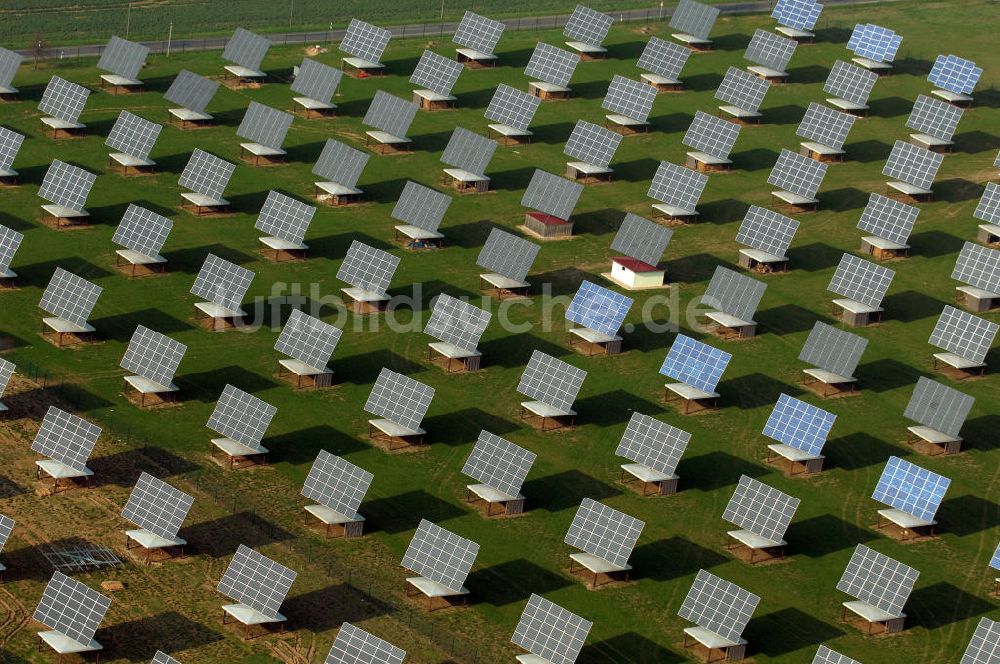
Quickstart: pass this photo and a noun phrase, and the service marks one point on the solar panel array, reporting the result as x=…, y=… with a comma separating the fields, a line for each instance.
x=70, y=297
x=694, y=363
x=365, y=41
x=340, y=163
x=825, y=125
x=255, y=580
x=663, y=58
x=938, y=406
x=878, y=580
x=631, y=98
x=797, y=174
x=499, y=463
x=694, y=18
x=978, y=266
x=241, y=416
x=551, y=194
x=984, y=647
x=955, y=74
x=163, y=658
x=191, y=91
x=440, y=555
x=153, y=356
x=592, y=143
x=588, y=26
x=265, y=125
x=742, y=89
x=713, y=136
x=368, y=268
x=512, y=107
x=988, y=208
x=734, y=293
x=10, y=143
x=63, y=100
x=246, y=49
x=766, y=230
x=400, y=399
x=641, y=239
x=888, y=219
x=206, y=174
x=800, y=14
x=934, y=117
x=550, y=632
x=10, y=240
x=770, y=50
x=284, y=217
x=850, y=82
x=354, y=645
x=66, y=185
x=995, y=560
x=910, y=488
x=799, y=424
x=604, y=532
x=874, y=42
x=71, y=608
x=468, y=151
x=718, y=606
x=677, y=186
x=507, y=255
x=157, y=507
x=653, y=443
x=834, y=350
x=551, y=381
x=133, y=135
x=316, y=80
x=478, y=33
x=123, y=57
x=390, y=114
x=308, y=339
x=457, y=322
x=962, y=333
x=421, y=206
x=6, y=372
x=826, y=656
x=66, y=438
x=10, y=62
x=337, y=483
x=761, y=509
x=551, y=64
x=861, y=280
x=222, y=282
x=436, y=73
x=598, y=309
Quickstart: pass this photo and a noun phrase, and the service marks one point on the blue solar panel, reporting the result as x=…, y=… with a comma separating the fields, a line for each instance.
x=598, y=308
x=695, y=363
x=995, y=562
x=955, y=74
x=911, y=489
x=799, y=424
x=801, y=14
x=874, y=42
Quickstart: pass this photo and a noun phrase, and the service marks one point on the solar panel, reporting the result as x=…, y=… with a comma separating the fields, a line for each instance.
x=191, y=91
x=978, y=266
x=316, y=80
x=799, y=14
x=390, y=114
x=457, y=322
x=421, y=206
x=123, y=57
x=630, y=98
x=6, y=526
x=246, y=49
x=718, y=606
x=340, y=163
x=10, y=240
x=962, y=333
x=734, y=293
x=256, y=581
x=70, y=297
x=797, y=174
x=551, y=194
x=604, y=532
x=984, y=647
x=826, y=656
x=712, y=135
x=955, y=74
x=367, y=268
x=861, y=280
x=436, y=73
x=641, y=239
x=888, y=219
x=468, y=151
x=878, y=580
x=825, y=125
x=153, y=356
x=222, y=282
x=507, y=255
x=206, y=174
x=10, y=62
x=133, y=135
x=66, y=438
x=399, y=398
x=307, y=339
x=157, y=507
x=241, y=416
x=837, y=351
x=598, y=308
x=163, y=658
x=498, y=463
x=551, y=64
x=337, y=483
x=265, y=125
x=695, y=364
x=440, y=555
x=478, y=33
x=694, y=18
x=663, y=58
x=995, y=561
x=653, y=443
x=551, y=381
x=10, y=143
x=365, y=41
x=550, y=632
x=934, y=117
x=938, y=406
x=6, y=371
x=743, y=89
x=284, y=217
x=66, y=185
x=767, y=231
x=677, y=186
x=63, y=100
x=592, y=143
x=988, y=208
x=512, y=107
x=874, y=42
x=588, y=26
x=71, y=608
x=770, y=50
x=910, y=488
x=850, y=82
x=761, y=509
x=799, y=424
x=354, y=645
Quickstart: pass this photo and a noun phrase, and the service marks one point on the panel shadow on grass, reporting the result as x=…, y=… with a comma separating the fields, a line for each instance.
x=220, y=537
x=788, y=630
x=138, y=640
x=908, y=306
x=470, y=235
x=722, y=211
x=615, y=407
x=785, y=319
x=942, y=604
x=402, y=512
x=9, y=488
x=637, y=170
x=825, y=534
x=715, y=470
x=845, y=198
x=364, y=368
x=886, y=374
x=980, y=433
x=783, y=115
x=123, y=468
x=565, y=490
x=121, y=327
x=39, y=274
x=930, y=244
x=858, y=450
x=692, y=269
x=66, y=396
x=867, y=151
x=513, y=581
x=889, y=107
x=628, y=648
x=25, y=563
x=462, y=427
x=754, y=390
x=957, y=190
x=598, y=222
x=515, y=350
x=325, y=609
x=814, y=257
x=756, y=159
x=299, y=447
x=190, y=260
x=672, y=558
x=206, y=386
x=968, y=515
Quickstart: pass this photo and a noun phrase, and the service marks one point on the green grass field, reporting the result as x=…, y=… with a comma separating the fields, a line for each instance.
x=175, y=607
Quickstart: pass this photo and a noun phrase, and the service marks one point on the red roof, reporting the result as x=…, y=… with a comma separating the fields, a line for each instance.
x=635, y=265
x=547, y=219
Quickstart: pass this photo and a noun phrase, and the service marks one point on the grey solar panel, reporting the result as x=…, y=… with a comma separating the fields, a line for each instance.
x=850, y=82
x=912, y=164
x=988, y=208
x=71, y=608
x=153, y=356
x=978, y=266
x=955, y=74
x=307, y=339
x=440, y=555
x=826, y=656
x=10, y=62
x=478, y=33
x=663, y=58
x=592, y=143
x=825, y=125
x=316, y=80
x=551, y=381
x=498, y=463
x=469, y=151
x=365, y=41
x=66, y=438
x=6, y=527
x=265, y=125
x=512, y=107
x=770, y=50
x=861, y=280
x=222, y=282
x=367, y=268
x=284, y=217
x=938, y=406
x=834, y=350
x=766, y=230
x=390, y=114
x=797, y=174
x=934, y=117
x=421, y=206
x=742, y=89
x=10, y=143
x=911, y=489
x=133, y=135
x=123, y=58
x=256, y=581
x=984, y=647
x=10, y=240
x=551, y=194
x=761, y=509
x=246, y=49
x=241, y=417
x=507, y=255
x=400, y=399
x=630, y=98
x=157, y=507
x=588, y=26
x=163, y=658
x=66, y=185
x=888, y=219
x=191, y=91
x=677, y=186
x=457, y=322
x=694, y=18
x=354, y=645
x=711, y=135
x=963, y=334
x=6, y=371
x=551, y=64
x=653, y=443
x=70, y=297
x=340, y=163
x=641, y=239
x=550, y=632
x=337, y=483
x=604, y=532
x=206, y=174
x=63, y=100
x=718, y=606
x=734, y=293
x=878, y=580
x=436, y=73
